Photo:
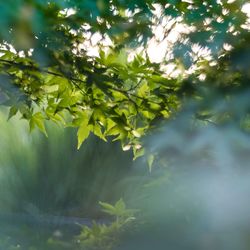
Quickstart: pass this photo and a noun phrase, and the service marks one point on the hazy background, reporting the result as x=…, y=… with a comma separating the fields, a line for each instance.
x=195, y=197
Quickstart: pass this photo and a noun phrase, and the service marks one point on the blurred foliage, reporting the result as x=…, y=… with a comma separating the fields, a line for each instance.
x=106, y=237
x=48, y=175
x=48, y=71
x=197, y=193
x=97, y=236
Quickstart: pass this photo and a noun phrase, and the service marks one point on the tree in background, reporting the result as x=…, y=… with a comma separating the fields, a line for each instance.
x=92, y=65
x=87, y=63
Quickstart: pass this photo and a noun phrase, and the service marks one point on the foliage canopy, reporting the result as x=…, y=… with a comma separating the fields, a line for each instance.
x=86, y=63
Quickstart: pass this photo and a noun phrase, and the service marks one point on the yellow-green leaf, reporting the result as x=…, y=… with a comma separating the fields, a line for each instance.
x=12, y=112
x=37, y=120
x=150, y=160
x=82, y=134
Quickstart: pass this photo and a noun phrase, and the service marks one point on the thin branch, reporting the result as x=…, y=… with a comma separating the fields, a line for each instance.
x=73, y=80
x=31, y=67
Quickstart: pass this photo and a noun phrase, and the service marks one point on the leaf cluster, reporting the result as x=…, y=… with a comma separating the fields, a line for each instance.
x=47, y=71
x=103, y=236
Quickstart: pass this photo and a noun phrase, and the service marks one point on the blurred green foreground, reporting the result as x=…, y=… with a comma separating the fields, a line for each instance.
x=196, y=196
x=48, y=187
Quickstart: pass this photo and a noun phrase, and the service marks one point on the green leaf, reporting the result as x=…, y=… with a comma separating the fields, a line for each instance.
x=120, y=205
x=150, y=160
x=13, y=110
x=37, y=120
x=143, y=90
x=136, y=133
x=138, y=153
x=106, y=205
x=82, y=134
x=98, y=131
x=115, y=130
x=108, y=208
x=84, y=128
x=50, y=88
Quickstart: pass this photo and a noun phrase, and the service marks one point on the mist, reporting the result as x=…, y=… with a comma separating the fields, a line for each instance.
x=201, y=199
